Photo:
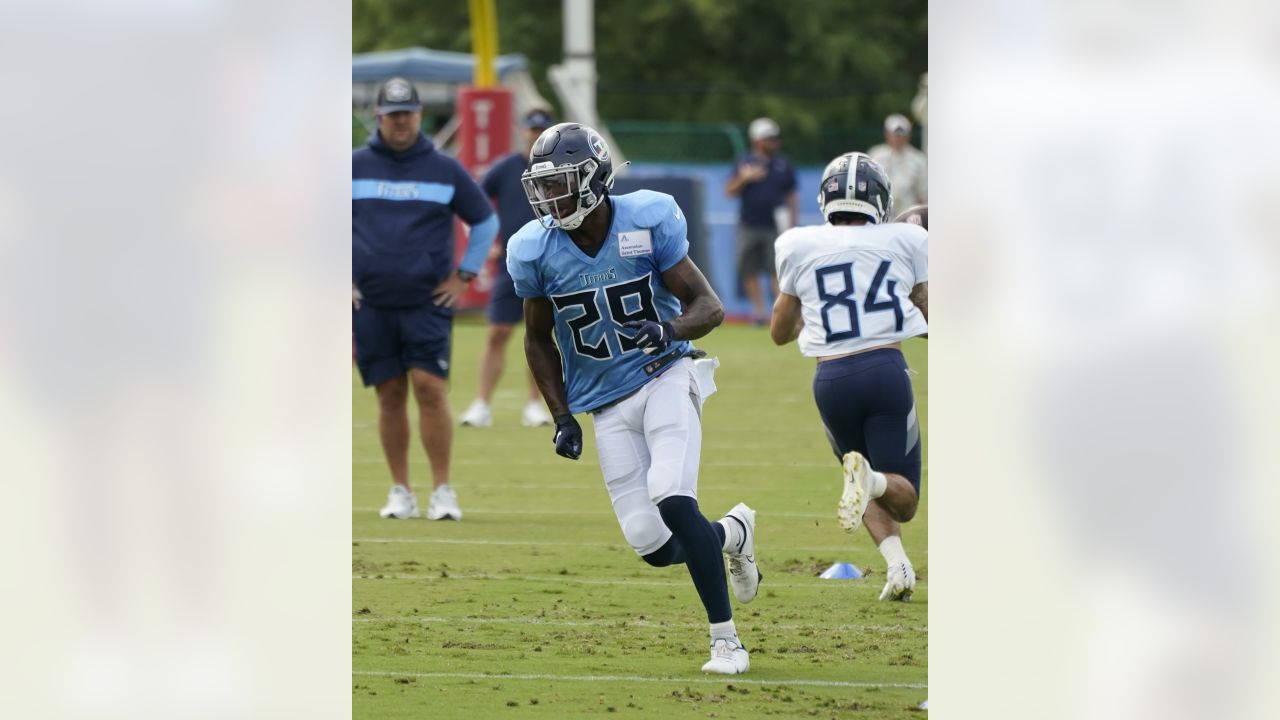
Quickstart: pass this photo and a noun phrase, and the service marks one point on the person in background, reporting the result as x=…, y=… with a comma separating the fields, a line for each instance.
x=766, y=183
x=502, y=184
x=906, y=166
x=404, y=196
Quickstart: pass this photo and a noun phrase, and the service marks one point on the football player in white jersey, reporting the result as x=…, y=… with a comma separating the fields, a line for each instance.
x=611, y=301
x=851, y=291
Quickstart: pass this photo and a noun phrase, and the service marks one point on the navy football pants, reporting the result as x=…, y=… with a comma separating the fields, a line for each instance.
x=867, y=405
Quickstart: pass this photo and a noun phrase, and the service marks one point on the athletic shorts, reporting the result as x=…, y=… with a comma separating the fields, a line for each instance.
x=389, y=341
x=505, y=307
x=867, y=405
x=755, y=250
x=649, y=446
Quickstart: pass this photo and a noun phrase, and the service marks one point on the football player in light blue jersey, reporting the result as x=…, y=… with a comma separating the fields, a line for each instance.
x=599, y=295
x=604, y=280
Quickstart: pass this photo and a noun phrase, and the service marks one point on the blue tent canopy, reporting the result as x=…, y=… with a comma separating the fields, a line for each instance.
x=423, y=65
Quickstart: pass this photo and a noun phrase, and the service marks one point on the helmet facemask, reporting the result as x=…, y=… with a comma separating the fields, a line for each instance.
x=561, y=196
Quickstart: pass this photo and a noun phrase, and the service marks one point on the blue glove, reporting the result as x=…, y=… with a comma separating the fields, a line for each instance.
x=651, y=337
x=568, y=437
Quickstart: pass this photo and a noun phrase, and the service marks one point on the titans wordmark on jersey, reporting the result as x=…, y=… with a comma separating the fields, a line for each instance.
x=854, y=284
x=593, y=296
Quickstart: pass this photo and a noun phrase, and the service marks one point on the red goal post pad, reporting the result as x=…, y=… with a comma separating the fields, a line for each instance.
x=485, y=131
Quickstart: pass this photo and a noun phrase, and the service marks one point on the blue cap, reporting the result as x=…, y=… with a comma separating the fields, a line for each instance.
x=397, y=95
x=841, y=571
x=538, y=119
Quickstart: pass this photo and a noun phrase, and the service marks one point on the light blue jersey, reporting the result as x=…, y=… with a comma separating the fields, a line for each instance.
x=592, y=297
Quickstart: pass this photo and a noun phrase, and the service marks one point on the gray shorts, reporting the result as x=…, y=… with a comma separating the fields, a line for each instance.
x=755, y=250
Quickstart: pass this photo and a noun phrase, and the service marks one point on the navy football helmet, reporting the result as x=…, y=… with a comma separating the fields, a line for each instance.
x=854, y=183
x=570, y=173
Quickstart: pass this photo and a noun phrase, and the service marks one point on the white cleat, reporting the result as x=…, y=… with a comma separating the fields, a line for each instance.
x=728, y=657
x=744, y=576
x=402, y=504
x=857, y=491
x=444, y=504
x=535, y=415
x=477, y=415
x=901, y=582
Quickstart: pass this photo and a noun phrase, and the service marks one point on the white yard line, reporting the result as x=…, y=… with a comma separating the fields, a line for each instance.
x=830, y=464
x=629, y=582
x=734, y=680
x=454, y=541
x=513, y=486
x=580, y=543
x=623, y=622
x=580, y=513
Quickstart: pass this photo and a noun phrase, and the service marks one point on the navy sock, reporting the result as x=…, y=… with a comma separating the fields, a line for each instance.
x=701, y=545
x=671, y=553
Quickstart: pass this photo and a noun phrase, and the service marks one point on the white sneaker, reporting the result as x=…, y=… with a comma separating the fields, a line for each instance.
x=478, y=415
x=728, y=657
x=444, y=504
x=401, y=504
x=902, y=580
x=857, y=491
x=535, y=415
x=744, y=576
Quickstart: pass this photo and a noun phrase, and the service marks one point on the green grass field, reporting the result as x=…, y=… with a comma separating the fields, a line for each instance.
x=534, y=606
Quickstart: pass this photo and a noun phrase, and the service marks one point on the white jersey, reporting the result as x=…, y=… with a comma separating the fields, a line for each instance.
x=854, y=284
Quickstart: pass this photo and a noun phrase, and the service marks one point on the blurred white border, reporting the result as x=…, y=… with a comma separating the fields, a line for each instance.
x=174, y=376
x=1102, y=375
x=175, y=370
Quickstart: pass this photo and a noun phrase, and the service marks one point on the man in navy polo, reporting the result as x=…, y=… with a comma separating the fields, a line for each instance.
x=502, y=183
x=766, y=182
x=404, y=196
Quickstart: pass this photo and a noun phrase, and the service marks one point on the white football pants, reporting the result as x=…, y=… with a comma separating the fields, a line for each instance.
x=649, y=447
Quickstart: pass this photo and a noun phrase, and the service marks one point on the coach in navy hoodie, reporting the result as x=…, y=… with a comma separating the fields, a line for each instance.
x=404, y=194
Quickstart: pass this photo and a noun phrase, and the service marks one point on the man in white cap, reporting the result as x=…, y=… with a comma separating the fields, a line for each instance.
x=906, y=166
x=766, y=181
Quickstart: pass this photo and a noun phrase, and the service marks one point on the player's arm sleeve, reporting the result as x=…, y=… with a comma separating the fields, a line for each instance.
x=470, y=204
x=671, y=241
x=478, y=244
x=785, y=264
x=525, y=276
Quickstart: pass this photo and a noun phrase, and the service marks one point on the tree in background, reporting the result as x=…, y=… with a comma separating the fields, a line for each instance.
x=821, y=69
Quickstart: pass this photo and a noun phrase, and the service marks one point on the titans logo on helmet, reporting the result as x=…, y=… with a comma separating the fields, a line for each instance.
x=598, y=146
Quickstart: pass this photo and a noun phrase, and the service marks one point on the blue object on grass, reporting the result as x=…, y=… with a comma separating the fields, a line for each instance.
x=841, y=571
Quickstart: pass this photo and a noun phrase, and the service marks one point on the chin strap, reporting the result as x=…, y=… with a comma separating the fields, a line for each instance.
x=608, y=182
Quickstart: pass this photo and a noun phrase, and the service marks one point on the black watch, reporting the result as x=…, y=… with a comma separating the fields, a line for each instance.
x=466, y=276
